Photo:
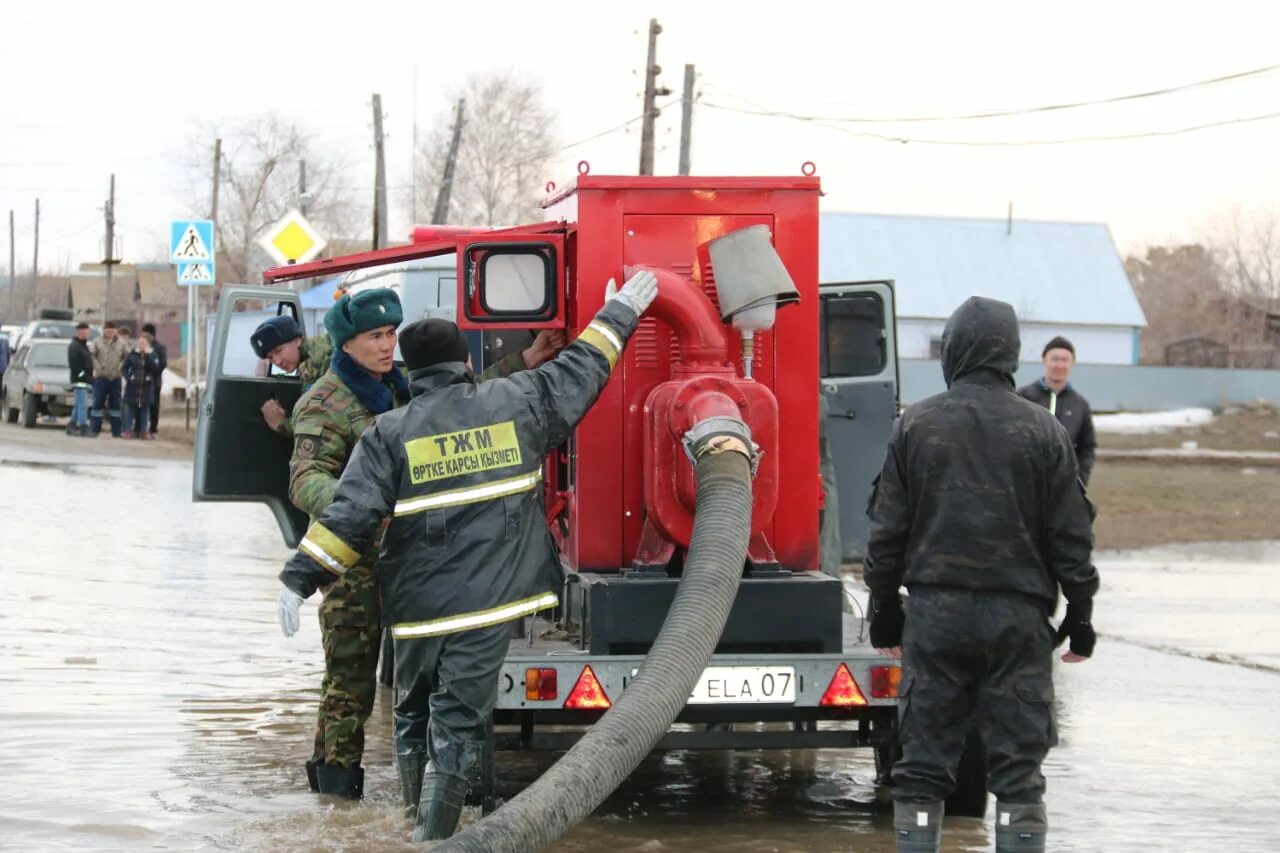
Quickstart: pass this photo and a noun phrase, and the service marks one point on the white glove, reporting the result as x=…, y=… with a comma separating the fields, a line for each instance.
x=637, y=294
x=288, y=603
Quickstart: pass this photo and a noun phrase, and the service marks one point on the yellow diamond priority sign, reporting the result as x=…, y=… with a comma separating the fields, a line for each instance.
x=292, y=239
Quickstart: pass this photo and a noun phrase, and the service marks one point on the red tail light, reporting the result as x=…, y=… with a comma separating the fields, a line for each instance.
x=843, y=691
x=884, y=682
x=587, y=694
x=540, y=684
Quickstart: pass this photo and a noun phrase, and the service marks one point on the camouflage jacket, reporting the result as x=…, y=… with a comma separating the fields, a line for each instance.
x=328, y=421
x=108, y=357
x=313, y=360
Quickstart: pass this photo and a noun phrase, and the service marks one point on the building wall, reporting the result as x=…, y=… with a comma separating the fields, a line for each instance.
x=1119, y=388
x=1094, y=344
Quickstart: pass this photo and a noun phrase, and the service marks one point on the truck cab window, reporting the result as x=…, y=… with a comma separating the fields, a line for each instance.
x=852, y=336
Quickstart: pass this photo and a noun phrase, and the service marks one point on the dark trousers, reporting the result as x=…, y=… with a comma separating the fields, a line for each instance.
x=446, y=688
x=974, y=660
x=155, y=410
x=106, y=393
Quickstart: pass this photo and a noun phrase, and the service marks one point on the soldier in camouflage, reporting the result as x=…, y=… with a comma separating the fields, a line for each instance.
x=980, y=513
x=280, y=341
x=361, y=383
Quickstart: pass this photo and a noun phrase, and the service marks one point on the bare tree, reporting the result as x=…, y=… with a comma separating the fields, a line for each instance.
x=505, y=152
x=259, y=183
x=1249, y=244
x=1182, y=291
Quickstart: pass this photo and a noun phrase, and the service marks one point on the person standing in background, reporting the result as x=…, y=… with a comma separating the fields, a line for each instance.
x=80, y=363
x=1055, y=392
x=162, y=359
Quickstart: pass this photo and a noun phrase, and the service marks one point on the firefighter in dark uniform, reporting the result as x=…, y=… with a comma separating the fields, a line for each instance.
x=459, y=471
x=980, y=513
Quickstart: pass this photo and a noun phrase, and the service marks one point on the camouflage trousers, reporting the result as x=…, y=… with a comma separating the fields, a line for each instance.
x=351, y=629
x=974, y=660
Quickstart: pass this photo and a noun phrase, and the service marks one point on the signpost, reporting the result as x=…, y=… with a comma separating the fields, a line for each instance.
x=292, y=240
x=191, y=248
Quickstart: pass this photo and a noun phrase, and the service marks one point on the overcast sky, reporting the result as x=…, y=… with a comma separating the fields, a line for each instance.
x=91, y=88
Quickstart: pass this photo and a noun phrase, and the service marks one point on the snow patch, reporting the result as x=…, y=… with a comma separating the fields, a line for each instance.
x=1141, y=423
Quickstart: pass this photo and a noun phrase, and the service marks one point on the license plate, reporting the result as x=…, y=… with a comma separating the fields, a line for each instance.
x=745, y=684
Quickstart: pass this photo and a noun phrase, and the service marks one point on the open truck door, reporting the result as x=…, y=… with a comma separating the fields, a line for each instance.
x=858, y=366
x=237, y=456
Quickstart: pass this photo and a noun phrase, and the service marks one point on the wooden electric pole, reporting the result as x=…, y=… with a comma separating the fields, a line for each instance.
x=13, y=282
x=302, y=187
x=651, y=94
x=441, y=214
x=108, y=247
x=35, y=262
x=686, y=119
x=379, y=178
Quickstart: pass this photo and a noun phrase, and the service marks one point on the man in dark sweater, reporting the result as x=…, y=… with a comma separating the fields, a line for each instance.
x=1064, y=402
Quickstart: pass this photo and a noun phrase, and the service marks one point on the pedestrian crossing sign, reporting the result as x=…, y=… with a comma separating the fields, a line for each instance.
x=191, y=241
x=195, y=274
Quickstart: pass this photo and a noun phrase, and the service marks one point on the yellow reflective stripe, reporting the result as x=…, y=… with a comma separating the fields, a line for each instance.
x=327, y=549
x=476, y=619
x=604, y=339
x=471, y=494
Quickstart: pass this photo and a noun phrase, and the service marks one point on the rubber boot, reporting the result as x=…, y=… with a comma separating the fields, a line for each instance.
x=412, y=768
x=341, y=781
x=440, y=806
x=1021, y=827
x=312, y=780
x=918, y=827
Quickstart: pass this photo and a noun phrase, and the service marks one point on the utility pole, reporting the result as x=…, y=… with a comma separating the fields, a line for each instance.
x=109, y=247
x=441, y=214
x=302, y=187
x=686, y=119
x=13, y=282
x=413, y=155
x=379, y=178
x=35, y=261
x=651, y=94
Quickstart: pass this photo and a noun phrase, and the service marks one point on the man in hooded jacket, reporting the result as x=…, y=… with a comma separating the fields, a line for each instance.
x=980, y=513
x=459, y=470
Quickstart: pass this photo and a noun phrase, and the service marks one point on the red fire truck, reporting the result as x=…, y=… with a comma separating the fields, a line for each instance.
x=792, y=669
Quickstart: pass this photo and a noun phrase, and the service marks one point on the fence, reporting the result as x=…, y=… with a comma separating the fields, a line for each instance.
x=1120, y=388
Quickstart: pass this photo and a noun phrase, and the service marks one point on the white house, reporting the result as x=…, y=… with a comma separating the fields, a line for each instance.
x=1063, y=278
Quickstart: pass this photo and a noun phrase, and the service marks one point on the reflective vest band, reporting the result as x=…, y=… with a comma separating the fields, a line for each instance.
x=604, y=339
x=1053, y=403
x=471, y=494
x=476, y=619
x=327, y=549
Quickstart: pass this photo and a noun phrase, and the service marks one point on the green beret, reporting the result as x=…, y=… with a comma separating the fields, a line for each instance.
x=368, y=309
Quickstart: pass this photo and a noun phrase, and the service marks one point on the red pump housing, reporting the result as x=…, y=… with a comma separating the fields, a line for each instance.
x=629, y=494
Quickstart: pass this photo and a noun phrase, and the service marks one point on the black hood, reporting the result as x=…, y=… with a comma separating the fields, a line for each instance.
x=982, y=335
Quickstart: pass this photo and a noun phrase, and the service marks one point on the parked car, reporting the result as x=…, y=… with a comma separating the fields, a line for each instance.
x=59, y=329
x=37, y=382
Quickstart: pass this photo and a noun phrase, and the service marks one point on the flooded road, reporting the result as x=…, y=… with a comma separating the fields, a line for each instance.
x=149, y=702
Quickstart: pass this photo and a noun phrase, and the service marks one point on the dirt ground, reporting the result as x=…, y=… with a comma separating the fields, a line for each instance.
x=1237, y=428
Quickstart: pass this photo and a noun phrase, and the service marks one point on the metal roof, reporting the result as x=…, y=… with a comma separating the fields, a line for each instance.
x=1050, y=272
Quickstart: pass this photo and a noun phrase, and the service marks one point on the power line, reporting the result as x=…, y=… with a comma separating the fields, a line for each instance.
x=1002, y=143
x=989, y=114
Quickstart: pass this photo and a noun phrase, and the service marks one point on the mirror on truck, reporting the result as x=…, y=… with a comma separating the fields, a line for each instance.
x=513, y=283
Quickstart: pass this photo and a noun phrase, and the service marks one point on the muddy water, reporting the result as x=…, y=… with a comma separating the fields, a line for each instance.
x=147, y=701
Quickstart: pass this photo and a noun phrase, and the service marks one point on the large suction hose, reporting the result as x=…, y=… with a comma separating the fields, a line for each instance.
x=573, y=787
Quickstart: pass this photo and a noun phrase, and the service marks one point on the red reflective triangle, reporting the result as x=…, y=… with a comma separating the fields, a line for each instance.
x=587, y=694
x=843, y=691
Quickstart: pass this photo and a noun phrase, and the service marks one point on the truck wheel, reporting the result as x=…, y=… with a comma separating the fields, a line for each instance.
x=29, y=407
x=970, y=796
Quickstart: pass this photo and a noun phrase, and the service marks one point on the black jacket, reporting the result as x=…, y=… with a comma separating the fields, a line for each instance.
x=459, y=470
x=979, y=488
x=141, y=375
x=1073, y=412
x=80, y=361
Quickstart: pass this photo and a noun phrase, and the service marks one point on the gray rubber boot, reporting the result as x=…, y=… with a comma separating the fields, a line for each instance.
x=918, y=827
x=311, y=774
x=341, y=781
x=1021, y=827
x=440, y=806
x=412, y=768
